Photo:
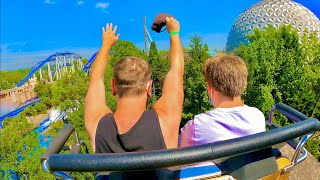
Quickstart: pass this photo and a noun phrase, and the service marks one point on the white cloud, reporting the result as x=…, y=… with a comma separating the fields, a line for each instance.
x=80, y=2
x=49, y=2
x=103, y=6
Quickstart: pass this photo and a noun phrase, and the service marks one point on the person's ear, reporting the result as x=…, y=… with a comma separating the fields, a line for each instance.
x=113, y=89
x=209, y=89
x=149, y=88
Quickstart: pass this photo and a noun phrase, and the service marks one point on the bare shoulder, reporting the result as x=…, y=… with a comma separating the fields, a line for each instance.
x=169, y=124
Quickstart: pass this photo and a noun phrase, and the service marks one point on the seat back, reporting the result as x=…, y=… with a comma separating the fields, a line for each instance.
x=253, y=165
x=282, y=163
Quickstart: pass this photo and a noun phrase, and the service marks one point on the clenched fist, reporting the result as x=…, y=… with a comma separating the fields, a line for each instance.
x=172, y=24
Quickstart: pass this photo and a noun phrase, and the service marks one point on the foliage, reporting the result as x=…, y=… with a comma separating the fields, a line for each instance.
x=313, y=146
x=20, y=151
x=39, y=108
x=159, y=69
x=84, y=60
x=196, y=96
x=66, y=93
x=124, y=49
x=44, y=92
x=283, y=67
x=8, y=79
x=54, y=128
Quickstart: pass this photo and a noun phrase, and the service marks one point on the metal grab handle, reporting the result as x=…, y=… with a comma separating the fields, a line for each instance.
x=300, y=153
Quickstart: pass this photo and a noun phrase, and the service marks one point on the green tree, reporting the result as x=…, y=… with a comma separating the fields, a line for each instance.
x=196, y=96
x=283, y=67
x=159, y=69
x=123, y=49
x=20, y=150
x=8, y=79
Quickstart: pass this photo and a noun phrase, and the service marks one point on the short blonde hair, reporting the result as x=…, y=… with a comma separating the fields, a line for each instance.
x=131, y=75
x=227, y=74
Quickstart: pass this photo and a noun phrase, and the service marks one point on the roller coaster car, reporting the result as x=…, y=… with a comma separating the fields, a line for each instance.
x=251, y=157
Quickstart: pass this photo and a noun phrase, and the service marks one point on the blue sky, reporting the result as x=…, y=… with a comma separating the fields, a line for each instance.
x=33, y=30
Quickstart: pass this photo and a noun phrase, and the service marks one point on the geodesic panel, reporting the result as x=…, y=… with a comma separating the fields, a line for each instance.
x=275, y=12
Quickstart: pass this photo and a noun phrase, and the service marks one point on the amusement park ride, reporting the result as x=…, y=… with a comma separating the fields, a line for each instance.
x=56, y=64
x=252, y=157
x=60, y=62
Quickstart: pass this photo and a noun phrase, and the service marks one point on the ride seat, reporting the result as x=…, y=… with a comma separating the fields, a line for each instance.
x=249, y=157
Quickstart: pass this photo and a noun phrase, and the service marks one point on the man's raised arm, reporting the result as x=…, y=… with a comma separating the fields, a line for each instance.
x=95, y=104
x=169, y=106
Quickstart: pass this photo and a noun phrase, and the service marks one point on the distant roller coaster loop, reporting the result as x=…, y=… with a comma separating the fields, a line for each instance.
x=87, y=66
x=61, y=60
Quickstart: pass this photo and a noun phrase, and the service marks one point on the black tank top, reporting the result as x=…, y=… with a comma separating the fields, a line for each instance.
x=145, y=135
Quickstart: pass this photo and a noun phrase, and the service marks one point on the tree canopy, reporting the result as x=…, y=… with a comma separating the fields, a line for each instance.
x=8, y=79
x=20, y=150
x=284, y=67
x=196, y=97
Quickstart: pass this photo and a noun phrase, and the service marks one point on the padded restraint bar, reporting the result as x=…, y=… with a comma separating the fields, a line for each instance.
x=291, y=113
x=181, y=156
x=58, y=142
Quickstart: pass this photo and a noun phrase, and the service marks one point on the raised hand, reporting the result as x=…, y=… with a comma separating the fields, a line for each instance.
x=109, y=37
x=172, y=24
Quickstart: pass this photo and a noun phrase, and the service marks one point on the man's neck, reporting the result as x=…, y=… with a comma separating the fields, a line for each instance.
x=131, y=106
x=227, y=102
x=128, y=112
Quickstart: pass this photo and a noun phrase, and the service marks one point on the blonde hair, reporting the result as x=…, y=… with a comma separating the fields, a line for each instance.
x=227, y=74
x=131, y=75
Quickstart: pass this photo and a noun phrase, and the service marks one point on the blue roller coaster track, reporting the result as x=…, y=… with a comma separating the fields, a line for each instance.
x=87, y=66
x=40, y=64
x=18, y=110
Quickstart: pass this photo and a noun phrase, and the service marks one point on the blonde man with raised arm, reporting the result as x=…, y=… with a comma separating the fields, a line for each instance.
x=131, y=127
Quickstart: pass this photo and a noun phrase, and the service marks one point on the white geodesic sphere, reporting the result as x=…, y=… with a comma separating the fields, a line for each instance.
x=275, y=12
